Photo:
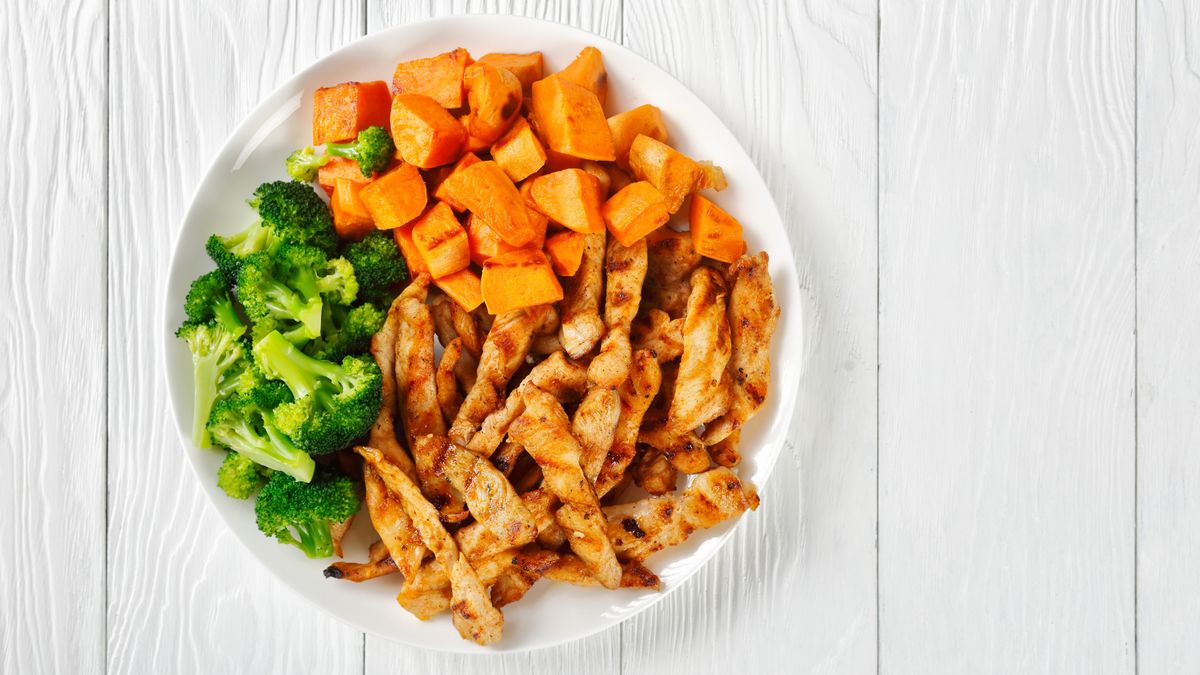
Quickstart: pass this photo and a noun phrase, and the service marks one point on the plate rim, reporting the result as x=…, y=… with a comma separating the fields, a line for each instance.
x=788, y=397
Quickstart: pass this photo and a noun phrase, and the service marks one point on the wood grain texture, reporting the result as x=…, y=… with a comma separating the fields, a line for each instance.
x=1168, y=164
x=52, y=309
x=794, y=591
x=599, y=653
x=184, y=596
x=1006, y=407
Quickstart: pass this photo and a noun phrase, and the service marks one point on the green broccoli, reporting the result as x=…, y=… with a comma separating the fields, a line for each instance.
x=334, y=404
x=300, y=514
x=239, y=477
x=288, y=212
x=246, y=423
x=373, y=150
x=273, y=288
x=345, y=331
x=219, y=357
x=378, y=266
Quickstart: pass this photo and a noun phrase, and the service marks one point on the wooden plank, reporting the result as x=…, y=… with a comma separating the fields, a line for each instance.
x=52, y=309
x=599, y=653
x=184, y=595
x=1168, y=100
x=794, y=591
x=1006, y=410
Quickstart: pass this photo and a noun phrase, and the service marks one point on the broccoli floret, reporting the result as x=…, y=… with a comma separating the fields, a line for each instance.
x=300, y=514
x=373, y=150
x=288, y=212
x=246, y=423
x=334, y=404
x=337, y=282
x=274, y=289
x=378, y=266
x=345, y=331
x=212, y=332
x=239, y=477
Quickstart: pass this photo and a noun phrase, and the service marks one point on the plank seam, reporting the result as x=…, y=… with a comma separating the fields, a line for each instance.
x=108, y=61
x=878, y=309
x=1136, y=349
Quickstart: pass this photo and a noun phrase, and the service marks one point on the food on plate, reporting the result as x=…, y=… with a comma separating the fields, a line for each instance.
x=475, y=313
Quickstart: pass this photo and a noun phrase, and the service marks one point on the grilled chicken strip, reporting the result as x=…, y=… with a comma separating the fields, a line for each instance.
x=489, y=496
x=392, y=523
x=659, y=333
x=383, y=432
x=543, y=430
x=378, y=564
x=699, y=395
x=449, y=398
x=650, y=525
x=474, y=616
x=753, y=314
x=636, y=395
x=672, y=260
x=556, y=374
x=503, y=352
x=581, y=327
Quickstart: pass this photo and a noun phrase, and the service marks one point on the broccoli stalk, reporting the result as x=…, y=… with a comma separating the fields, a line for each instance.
x=301, y=514
x=334, y=404
x=213, y=332
x=373, y=150
x=240, y=477
x=246, y=423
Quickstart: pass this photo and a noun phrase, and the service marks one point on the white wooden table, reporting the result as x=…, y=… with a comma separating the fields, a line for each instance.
x=994, y=465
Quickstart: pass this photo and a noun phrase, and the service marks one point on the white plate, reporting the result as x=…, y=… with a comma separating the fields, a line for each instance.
x=551, y=613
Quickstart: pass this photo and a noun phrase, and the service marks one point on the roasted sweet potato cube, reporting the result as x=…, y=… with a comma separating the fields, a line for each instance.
x=425, y=134
x=617, y=178
x=644, y=120
x=485, y=190
x=518, y=151
x=556, y=161
x=587, y=71
x=395, y=198
x=441, y=241
x=637, y=210
x=495, y=97
x=339, y=167
x=521, y=278
x=670, y=171
x=712, y=177
x=540, y=222
x=715, y=233
x=439, y=191
x=527, y=67
x=483, y=240
x=351, y=219
x=569, y=119
x=343, y=110
x=412, y=257
x=463, y=287
x=438, y=77
x=570, y=197
x=565, y=251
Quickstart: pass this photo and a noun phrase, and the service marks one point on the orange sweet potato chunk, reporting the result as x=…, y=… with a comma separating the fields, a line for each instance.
x=463, y=287
x=483, y=240
x=441, y=241
x=438, y=77
x=644, y=120
x=715, y=233
x=351, y=220
x=527, y=67
x=570, y=197
x=395, y=198
x=485, y=190
x=339, y=167
x=565, y=251
x=587, y=71
x=412, y=257
x=597, y=169
x=637, y=210
x=343, y=110
x=670, y=171
x=521, y=278
x=439, y=190
x=569, y=119
x=425, y=134
x=519, y=152
x=495, y=97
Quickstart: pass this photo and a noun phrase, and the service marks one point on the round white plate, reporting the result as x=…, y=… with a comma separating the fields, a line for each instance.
x=551, y=613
